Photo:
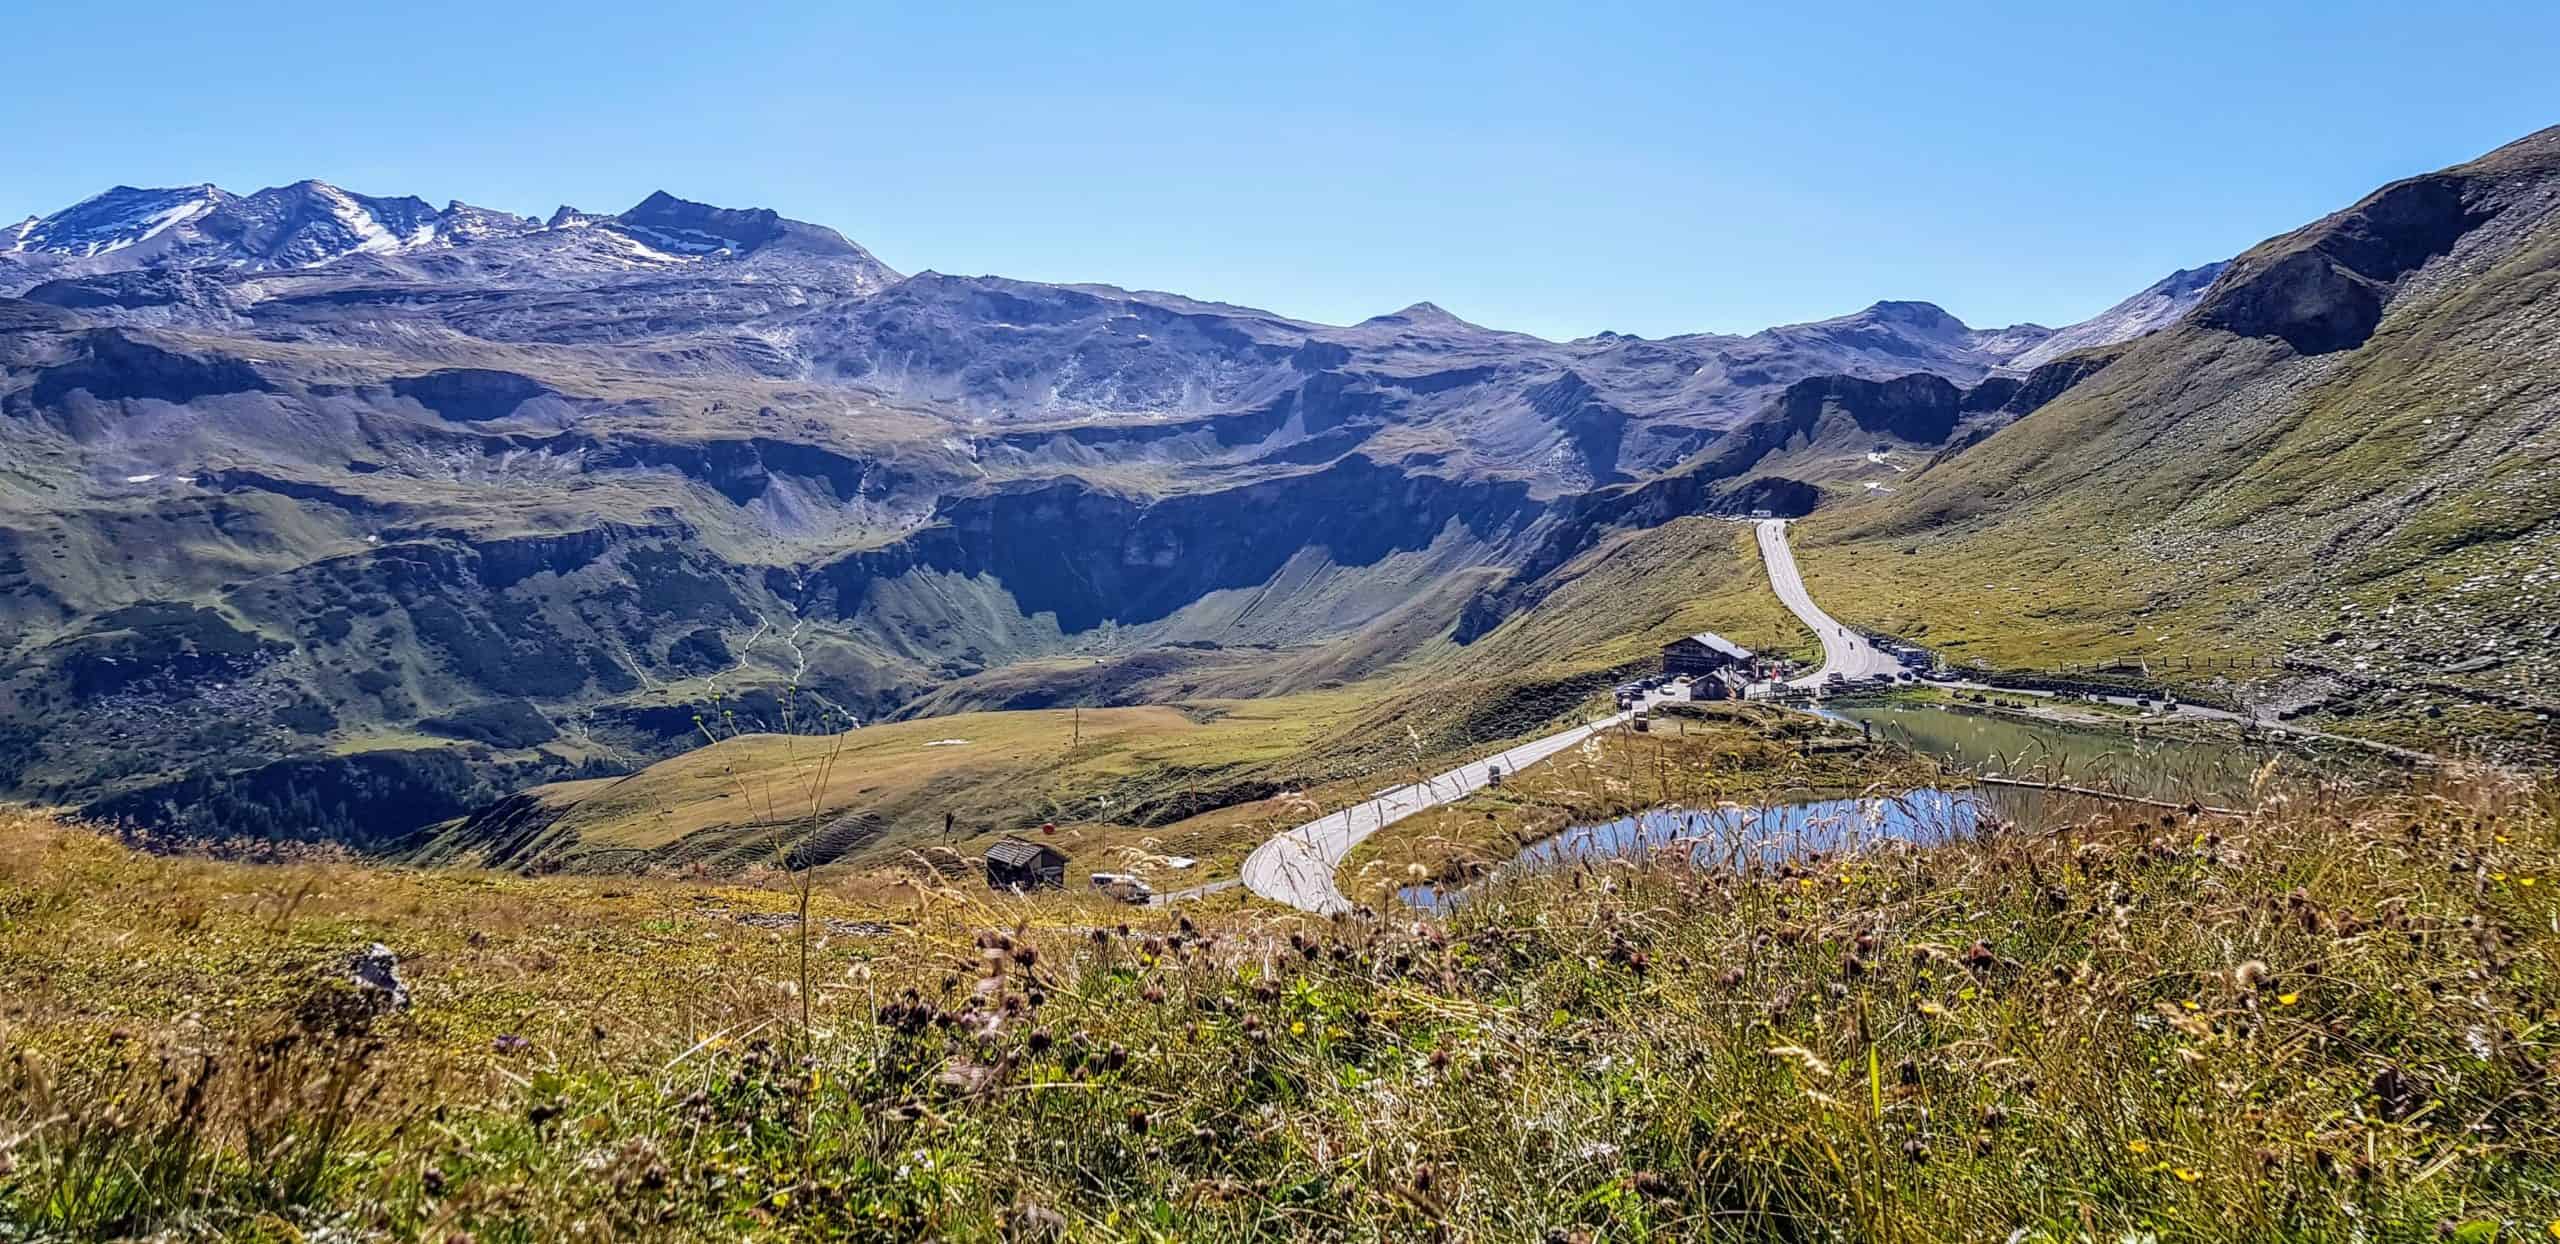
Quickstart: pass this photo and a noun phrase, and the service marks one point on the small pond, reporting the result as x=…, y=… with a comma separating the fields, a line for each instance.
x=2212, y=771
x=1744, y=837
x=2178, y=770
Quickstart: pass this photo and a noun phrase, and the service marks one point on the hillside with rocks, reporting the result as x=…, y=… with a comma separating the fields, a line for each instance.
x=332, y=514
x=2343, y=465
x=335, y=515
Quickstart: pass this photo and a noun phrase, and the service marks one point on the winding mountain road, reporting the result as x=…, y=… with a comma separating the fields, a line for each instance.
x=1297, y=866
x=1844, y=652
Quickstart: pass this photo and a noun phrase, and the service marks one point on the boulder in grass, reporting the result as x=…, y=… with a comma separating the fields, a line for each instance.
x=376, y=973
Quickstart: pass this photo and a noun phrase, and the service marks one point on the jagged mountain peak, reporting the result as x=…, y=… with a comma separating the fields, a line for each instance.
x=687, y=227
x=313, y=222
x=116, y=219
x=663, y=203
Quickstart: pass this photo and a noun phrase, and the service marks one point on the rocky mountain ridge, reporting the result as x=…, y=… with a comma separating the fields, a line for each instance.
x=313, y=224
x=307, y=474
x=2157, y=306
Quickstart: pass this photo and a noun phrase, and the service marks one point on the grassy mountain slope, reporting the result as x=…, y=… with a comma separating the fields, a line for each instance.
x=1179, y=767
x=230, y=559
x=2348, y=455
x=272, y=495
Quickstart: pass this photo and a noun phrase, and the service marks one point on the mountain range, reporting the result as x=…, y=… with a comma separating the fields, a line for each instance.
x=324, y=514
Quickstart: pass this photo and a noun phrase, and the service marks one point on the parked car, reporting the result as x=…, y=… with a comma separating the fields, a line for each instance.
x=1126, y=887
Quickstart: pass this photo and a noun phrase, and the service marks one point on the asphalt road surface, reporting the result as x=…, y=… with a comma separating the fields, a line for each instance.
x=1297, y=866
x=1844, y=652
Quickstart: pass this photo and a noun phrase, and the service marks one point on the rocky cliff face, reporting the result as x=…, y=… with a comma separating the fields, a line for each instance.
x=2324, y=287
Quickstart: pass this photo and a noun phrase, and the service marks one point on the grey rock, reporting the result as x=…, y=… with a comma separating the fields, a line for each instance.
x=376, y=971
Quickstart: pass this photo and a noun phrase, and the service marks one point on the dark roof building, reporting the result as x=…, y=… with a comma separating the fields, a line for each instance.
x=1702, y=654
x=1020, y=864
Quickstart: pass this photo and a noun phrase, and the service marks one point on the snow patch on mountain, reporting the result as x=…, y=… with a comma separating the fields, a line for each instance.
x=681, y=241
x=313, y=224
x=370, y=237
x=103, y=224
x=2154, y=308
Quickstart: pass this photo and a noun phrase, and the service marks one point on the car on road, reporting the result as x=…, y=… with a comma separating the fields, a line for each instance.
x=1126, y=887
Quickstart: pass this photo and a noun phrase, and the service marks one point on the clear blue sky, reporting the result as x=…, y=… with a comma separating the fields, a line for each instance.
x=1559, y=168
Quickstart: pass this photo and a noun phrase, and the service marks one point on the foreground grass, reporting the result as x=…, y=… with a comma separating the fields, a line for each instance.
x=2331, y=1019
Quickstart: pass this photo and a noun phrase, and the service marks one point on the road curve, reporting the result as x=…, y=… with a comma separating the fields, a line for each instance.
x=1296, y=866
x=1844, y=652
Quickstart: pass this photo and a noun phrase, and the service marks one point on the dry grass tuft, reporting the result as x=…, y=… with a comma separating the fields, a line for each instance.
x=2331, y=1018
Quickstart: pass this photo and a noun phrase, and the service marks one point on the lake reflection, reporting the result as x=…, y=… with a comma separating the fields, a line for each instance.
x=1736, y=837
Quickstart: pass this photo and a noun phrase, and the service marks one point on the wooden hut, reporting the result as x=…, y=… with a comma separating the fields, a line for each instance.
x=1020, y=864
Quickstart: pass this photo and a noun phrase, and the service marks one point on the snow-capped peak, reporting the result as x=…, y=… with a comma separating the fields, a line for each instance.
x=2155, y=307
x=681, y=226
x=122, y=217
x=310, y=224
